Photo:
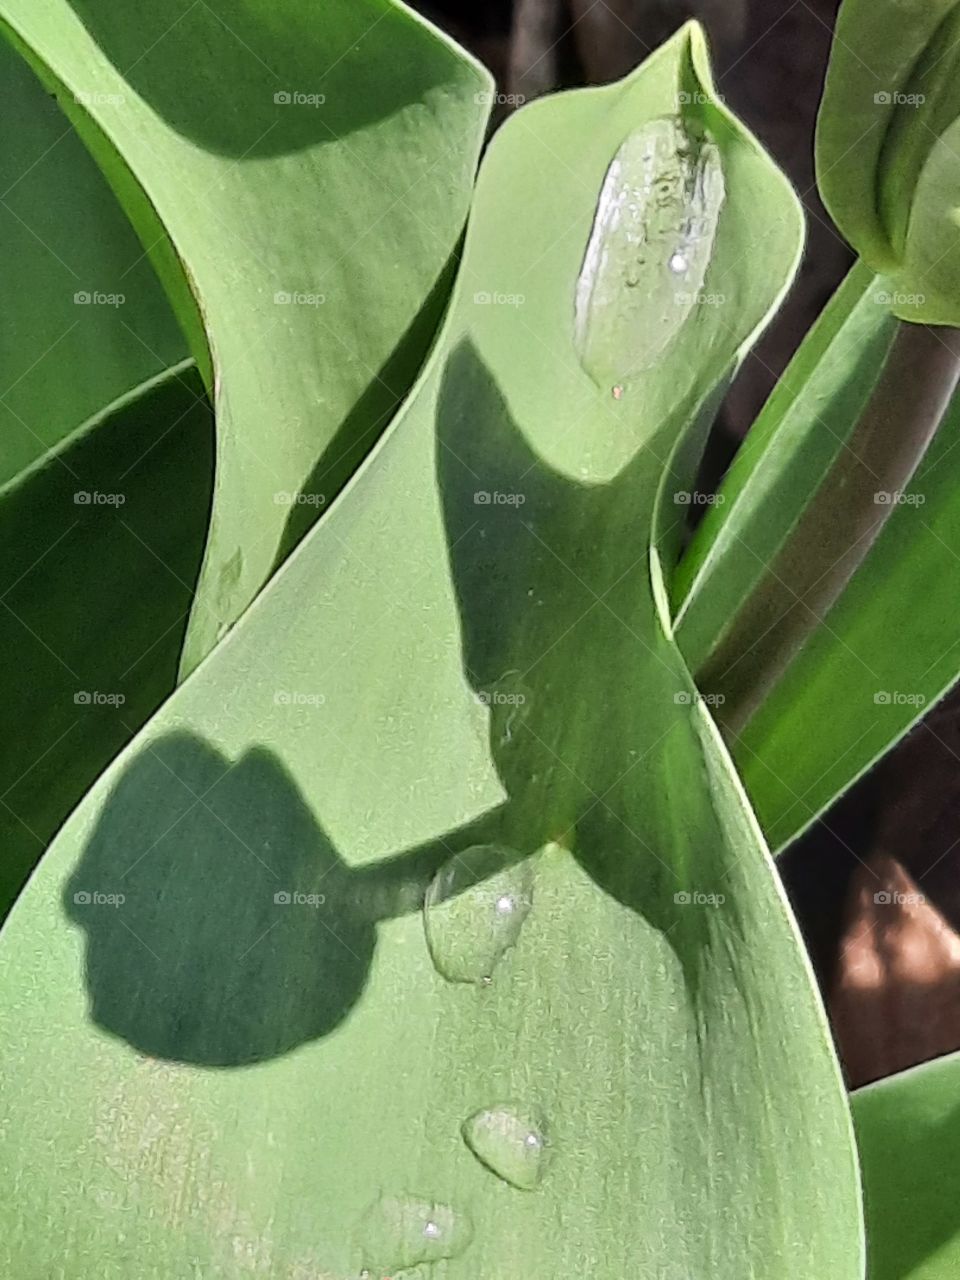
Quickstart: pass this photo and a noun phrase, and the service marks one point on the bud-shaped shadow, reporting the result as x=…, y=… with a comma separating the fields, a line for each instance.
x=224, y=927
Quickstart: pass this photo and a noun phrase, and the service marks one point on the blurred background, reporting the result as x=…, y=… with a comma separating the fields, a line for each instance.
x=890, y=974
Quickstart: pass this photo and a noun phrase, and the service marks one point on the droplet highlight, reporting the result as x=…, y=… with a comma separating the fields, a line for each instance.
x=648, y=252
x=474, y=911
x=511, y=1140
x=399, y=1232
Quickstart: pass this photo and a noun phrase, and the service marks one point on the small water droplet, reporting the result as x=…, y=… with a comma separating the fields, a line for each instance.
x=400, y=1232
x=656, y=219
x=474, y=911
x=510, y=1140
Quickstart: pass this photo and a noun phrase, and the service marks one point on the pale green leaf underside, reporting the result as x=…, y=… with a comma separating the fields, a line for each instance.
x=433, y=669
x=84, y=319
x=316, y=234
x=908, y=1132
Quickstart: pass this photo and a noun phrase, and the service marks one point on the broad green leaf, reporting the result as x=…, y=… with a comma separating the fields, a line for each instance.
x=268, y=1071
x=84, y=319
x=100, y=547
x=311, y=165
x=886, y=147
x=908, y=1132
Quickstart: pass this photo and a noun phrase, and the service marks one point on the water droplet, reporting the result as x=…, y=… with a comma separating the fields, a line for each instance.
x=512, y=1141
x=400, y=1232
x=656, y=220
x=474, y=911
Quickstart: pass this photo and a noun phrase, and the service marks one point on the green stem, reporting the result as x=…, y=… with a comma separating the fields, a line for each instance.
x=839, y=526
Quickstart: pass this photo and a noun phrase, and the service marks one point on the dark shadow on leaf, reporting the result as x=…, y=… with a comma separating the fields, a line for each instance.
x=247, y=78
x=223, y=927
x=369, y=417
x=537, y=620
x=243, y=930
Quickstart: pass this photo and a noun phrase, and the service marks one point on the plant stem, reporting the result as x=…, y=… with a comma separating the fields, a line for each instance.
x=839, y=526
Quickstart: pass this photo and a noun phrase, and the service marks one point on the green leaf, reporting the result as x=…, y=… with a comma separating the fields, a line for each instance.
x=908, y=1132
x=312, y=170
x=100, y=546
x=887, y=649
x=470, y=649
x=787, y=453
x=84, y=320
x=886, y=148
x=289, y=213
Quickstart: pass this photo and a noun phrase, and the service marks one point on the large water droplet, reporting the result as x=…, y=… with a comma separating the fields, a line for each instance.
x=400, y=1232
x=474, y=911
x=512, y=1141
x=649, y=249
